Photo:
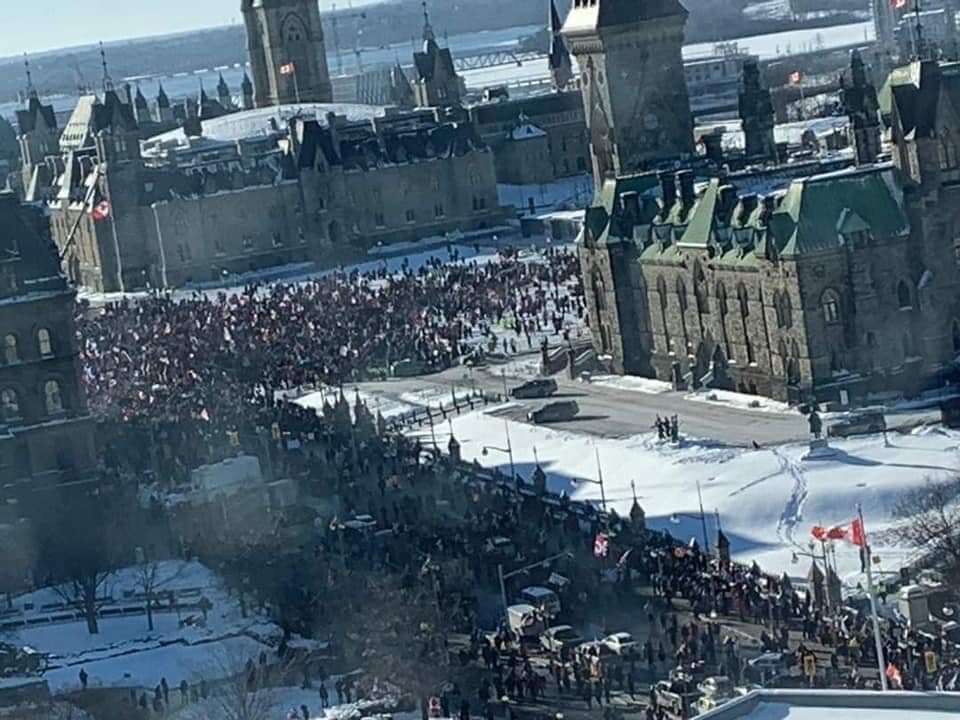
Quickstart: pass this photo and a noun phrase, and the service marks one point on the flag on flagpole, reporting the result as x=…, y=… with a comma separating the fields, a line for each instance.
x=288, y=69
x=100, y=211
x=601, y=545
x=898, y=4
x=858, y=535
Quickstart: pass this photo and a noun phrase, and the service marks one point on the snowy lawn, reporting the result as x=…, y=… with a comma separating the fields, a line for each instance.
x=125, y=652
x=767, y=500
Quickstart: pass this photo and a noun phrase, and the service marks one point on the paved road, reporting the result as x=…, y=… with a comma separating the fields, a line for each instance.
x=612, y=412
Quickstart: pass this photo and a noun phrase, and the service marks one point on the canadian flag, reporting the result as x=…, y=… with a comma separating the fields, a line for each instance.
x=601, y=545
x=853, y=533
x=898, y=4
x=100, y=211
x=288, y=69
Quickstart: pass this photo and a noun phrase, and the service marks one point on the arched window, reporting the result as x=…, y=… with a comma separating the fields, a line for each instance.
x=9, y=404
x=681, y=295
x=904, y=301
x=52, y=397
x=700, y=289
x=599, y=291
x=10, y=354
x=783, y=310
x=722, y=298
x=662, y=293
x=43, y=342
x=744, y=300
x=830, y=302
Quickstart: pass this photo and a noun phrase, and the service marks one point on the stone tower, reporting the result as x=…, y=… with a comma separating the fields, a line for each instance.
x=756, y=113
x=246, y=88
x=863, y=109
x=561, y=70
x=281, y=33
x=632, y=81
x=438, y=84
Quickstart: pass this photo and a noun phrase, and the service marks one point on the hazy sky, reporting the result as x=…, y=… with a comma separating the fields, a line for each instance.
x=34, y=25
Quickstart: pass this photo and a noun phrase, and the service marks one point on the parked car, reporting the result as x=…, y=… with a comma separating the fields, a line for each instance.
x=622, y=643
x=554, y=412
x=544, y=599
x=537, y=388
x=859, y=422
x=558, y=637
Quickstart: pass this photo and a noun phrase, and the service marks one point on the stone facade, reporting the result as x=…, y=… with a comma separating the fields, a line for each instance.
x=830, y=285
x=437, y=83
x=47, y=435
x=191, y=208
x=558, y=115
x=632, y=80
x=281, y=33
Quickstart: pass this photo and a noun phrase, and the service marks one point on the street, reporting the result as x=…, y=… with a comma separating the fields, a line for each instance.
x=615, y=413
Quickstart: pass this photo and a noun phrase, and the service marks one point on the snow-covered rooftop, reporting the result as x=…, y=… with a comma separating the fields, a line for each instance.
x=526, y=132
x=263, y=121
x=840, y=704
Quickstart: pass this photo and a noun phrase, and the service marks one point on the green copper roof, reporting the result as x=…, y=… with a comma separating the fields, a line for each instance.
x=817, y=211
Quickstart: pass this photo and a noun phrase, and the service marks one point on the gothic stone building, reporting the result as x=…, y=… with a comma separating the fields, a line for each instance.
x=841, y=284
x=46, y=435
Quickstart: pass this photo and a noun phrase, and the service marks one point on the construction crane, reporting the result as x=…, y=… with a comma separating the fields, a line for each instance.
x=334, y=21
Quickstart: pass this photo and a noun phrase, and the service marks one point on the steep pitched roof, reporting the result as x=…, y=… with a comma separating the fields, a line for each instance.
x=35, y=111
x=591, y=15
x=815, y=211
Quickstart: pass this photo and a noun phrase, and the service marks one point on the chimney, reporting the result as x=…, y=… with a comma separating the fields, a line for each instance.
x=630, y=204
x=685, y=183
x=668, y=190
x=748, y=203
x=727, y=201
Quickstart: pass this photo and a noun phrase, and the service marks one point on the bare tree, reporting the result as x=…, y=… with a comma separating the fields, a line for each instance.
x=78, y=548
x=152, y=579
x=931, y=521
x=241, y=693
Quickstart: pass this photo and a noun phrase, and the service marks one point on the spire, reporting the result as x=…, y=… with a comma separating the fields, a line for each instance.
x=561, y=69
x=31, y=90
x=222, y=87
x=162, y=100
x=203, y=95
x=139, y=100
x=246, y=85
x=429, y=39
x=107, y=80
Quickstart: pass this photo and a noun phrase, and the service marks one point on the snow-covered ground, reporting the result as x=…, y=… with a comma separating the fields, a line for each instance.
x=125, y=653
x=766, y=500
x=280, y=703
x=565, y=194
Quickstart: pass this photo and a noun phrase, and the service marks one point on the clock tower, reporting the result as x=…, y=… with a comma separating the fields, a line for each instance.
x=632, y=81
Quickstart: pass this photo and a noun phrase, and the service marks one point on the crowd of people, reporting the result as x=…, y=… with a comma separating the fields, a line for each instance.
x=189, y=370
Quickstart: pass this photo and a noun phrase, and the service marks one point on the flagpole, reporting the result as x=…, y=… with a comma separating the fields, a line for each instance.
x=881, y=665
x=296, y=84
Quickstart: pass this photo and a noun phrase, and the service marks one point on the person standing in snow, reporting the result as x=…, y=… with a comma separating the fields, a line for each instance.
x=83, y=679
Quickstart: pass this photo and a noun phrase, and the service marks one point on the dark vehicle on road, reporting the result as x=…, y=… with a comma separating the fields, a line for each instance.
x=554, y=412
x=859, y=422
x=538, y=388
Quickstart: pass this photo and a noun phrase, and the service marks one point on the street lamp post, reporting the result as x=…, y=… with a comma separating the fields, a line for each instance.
x=508, y=450
x=701, y=516
x=598, y=481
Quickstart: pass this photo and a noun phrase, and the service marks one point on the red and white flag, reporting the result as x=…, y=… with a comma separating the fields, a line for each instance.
x=852, y=533
x=898, y=4
x=601, y=545
x=288, y=69
x=100, y=211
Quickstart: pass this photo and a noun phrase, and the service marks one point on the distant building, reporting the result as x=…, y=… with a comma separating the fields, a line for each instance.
x=632, y=81
x=46, y=434
x=437, y=83
x=833, y=287
x=756, y=115
x=257, y=189
x=561, y=149
x=837, y=705
x=288, y=54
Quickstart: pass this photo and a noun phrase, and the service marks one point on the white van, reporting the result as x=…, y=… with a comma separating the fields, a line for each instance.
x=544, y=599
x=524, y=621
